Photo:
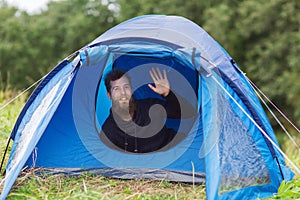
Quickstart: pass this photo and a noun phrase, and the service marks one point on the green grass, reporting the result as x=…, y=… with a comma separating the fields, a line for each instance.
x=88, y=186
x=8, y=114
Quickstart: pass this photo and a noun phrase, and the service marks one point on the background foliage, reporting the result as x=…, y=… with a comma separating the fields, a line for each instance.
x=262, y=36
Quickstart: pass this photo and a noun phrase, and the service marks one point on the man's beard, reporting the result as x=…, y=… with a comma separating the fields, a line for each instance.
x=124, y=109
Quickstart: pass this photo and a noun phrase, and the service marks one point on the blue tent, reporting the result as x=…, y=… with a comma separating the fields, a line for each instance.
x=229, y=143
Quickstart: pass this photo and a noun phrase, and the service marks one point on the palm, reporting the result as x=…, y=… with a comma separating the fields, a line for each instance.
x=161, y=82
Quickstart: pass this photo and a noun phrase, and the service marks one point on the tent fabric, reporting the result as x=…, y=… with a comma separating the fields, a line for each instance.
x=59, y=126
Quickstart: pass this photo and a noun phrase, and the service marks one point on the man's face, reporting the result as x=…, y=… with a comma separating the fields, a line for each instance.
x=120, y=93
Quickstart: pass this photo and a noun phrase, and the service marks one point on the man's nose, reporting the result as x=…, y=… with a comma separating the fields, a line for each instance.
x=123, y=91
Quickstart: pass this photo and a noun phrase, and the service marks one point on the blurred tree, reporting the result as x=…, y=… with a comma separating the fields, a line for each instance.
x=11, y=43
x=192, y=9
x=269, y=32
x=264, y=38
x=31, y=45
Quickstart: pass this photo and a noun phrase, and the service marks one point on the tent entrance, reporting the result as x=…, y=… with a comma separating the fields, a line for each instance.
x=183, y=80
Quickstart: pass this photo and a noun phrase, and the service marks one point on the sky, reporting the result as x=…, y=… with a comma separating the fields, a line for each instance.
x=31, y=6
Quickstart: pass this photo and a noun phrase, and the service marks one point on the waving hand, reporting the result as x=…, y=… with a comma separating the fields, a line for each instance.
x=162, y=85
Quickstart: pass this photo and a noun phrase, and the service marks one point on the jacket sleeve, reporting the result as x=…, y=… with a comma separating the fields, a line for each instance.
x=178, y=107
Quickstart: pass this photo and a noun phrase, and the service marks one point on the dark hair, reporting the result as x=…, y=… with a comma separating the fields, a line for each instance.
x=113, y=75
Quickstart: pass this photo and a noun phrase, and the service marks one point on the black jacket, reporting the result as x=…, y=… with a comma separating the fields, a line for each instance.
x=147, y=131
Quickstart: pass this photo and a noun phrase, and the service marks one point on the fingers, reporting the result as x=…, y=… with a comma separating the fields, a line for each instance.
x=156, y=75
x=159, y=73
x=165, y=74
x=153, y=75
x=152, y=88
x=161, y=84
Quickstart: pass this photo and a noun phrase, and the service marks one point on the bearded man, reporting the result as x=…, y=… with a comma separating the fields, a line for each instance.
x=138, y=126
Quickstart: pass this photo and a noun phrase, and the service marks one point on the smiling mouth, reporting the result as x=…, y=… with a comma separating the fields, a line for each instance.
x=124, y=99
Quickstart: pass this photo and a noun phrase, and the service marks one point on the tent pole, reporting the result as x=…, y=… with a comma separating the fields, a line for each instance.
x=2, y=162
x=279, y=167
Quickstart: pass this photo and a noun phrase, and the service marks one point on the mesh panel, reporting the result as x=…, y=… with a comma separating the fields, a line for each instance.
x=241, y=163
